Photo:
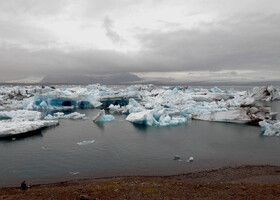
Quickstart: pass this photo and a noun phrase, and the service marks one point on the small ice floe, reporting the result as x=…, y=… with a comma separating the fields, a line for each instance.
x=61, y=115
x=13, y=138
x=74, y=173
x=10, y=128
x=86, y=142
x=270, y=128
x=190, y=159
x=98, y=116
x=46, y=148
x=176, y=157
x=101, y=117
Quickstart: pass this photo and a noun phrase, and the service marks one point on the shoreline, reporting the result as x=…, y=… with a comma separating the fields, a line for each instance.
x=254, y=178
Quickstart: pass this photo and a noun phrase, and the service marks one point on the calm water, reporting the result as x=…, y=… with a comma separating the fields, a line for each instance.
x=121, y=148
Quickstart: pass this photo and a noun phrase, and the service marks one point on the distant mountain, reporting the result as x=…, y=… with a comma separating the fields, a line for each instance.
x=120, y=78
x=172, y=82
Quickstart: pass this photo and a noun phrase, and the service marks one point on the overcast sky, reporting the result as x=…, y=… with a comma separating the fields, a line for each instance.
x=182, y=39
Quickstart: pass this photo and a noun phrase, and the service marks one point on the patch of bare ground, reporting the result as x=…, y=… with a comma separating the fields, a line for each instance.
x=245, y=182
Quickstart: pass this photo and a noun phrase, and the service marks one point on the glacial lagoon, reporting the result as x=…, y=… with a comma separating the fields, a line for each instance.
x=78, y=149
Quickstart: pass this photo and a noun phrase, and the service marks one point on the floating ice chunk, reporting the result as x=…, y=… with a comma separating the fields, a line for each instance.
x=133, y=106
x=270, y=129
x=236, y=116
x=143, y=118
x=74, y=173
x=190, y=159
x=106, y=118
x=176, y=157
x=74, y=115
x=115, y=108
x=86, y=142
x=155, y=117
x=265, y=93
x=96, y=104
x=20, y=115
x=216, y=89
x=9, y=128
x=98, y=116
x=61, y=115
x=118, y=99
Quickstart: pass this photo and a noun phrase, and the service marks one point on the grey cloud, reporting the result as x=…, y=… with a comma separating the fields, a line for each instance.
x=108, y=24
x=247, y=42
x=239, y=40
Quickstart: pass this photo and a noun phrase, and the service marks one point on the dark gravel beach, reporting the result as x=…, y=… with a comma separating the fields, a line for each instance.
x=244, y=182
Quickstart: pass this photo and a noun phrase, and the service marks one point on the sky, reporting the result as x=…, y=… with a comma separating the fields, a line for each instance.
x=215, y=40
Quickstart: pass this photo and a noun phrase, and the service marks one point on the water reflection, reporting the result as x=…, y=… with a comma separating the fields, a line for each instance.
x=100, y=125
x=141, y=128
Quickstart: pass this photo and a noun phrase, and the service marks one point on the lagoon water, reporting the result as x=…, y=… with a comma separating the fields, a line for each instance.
x=122, y=148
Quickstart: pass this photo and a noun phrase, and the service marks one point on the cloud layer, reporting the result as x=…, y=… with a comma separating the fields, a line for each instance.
x=44, y=38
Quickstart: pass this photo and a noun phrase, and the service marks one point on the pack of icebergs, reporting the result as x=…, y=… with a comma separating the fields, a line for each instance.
x=143, y=104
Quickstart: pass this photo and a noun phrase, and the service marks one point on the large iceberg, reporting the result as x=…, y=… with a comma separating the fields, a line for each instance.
x=13, y=128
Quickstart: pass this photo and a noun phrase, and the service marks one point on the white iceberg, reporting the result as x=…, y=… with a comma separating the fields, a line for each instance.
x=265, y=93
x=61, y=115
x=270, y=129
x=86, y=142
x=106, y=118
x=155, y=118
x=101, y=117
x=116, y=108
x=191, y=159
x=98, y=116
x=21, y=115
x=11, y=128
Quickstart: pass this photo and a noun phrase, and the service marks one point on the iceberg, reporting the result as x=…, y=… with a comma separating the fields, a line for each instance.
x=191, y=159
x=61, y=115
x=176, y=157
x=106, y=118
x=21, y=115
x=98, y=116
x=154, y=118
x=251, y=115
x=118, y=99
x=13, y=128
x=265, y=93
x=101, y=117
x=85, y=142
x=116, y=108
x=270, y=129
